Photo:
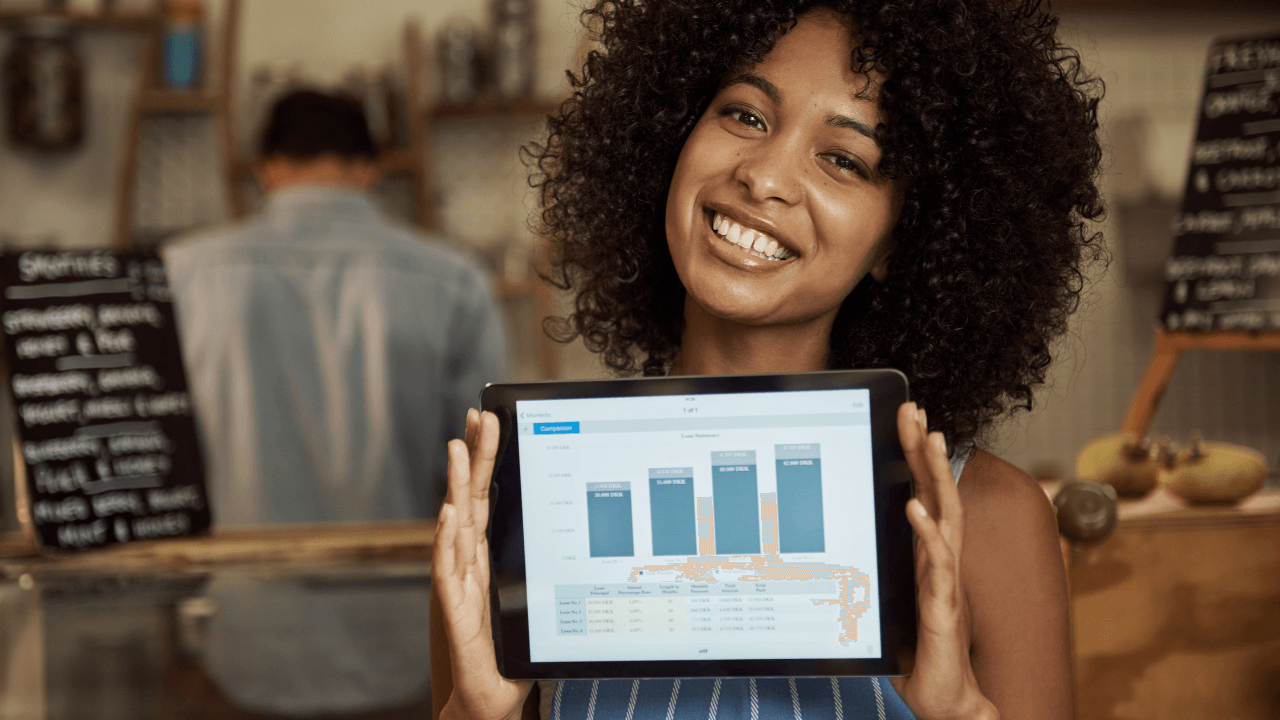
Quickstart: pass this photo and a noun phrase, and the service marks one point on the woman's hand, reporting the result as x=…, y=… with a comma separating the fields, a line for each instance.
x=460, y=574
x=943, y=684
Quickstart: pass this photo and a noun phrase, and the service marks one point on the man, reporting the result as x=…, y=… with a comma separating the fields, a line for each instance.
x=331, y=352
x=331, y=355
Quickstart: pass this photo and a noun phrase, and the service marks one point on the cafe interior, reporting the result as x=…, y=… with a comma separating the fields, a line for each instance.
x=150, y=132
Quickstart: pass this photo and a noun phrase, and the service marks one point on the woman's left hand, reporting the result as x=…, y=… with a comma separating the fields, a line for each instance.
x=942, y=684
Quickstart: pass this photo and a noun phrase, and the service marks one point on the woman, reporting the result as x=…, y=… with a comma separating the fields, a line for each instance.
x=790, y=186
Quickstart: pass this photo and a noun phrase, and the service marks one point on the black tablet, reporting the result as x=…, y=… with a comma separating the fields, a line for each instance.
x=702, y=527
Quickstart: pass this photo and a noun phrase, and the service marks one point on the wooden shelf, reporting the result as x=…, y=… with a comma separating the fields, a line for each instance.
x=178, y=102
x=494, y=107
x=106, y=19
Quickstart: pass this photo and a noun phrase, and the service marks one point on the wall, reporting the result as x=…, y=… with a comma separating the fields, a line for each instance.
x=1151, y=63
x=326, y=38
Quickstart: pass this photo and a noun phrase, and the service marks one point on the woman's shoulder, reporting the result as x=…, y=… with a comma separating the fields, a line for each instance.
x=992, y=489
x=1011, y=566
x=1008, y=518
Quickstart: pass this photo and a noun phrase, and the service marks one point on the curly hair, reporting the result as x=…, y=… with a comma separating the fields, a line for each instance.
x=989, y=121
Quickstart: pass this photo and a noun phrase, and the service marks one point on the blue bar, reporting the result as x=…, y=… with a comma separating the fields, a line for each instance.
x=609, y=519
x=671, y=511
x=800, y=528
x=736, y=503
x=563, y=428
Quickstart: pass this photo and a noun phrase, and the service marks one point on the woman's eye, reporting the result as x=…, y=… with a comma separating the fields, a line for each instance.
x=746, y=117
x=848, y=164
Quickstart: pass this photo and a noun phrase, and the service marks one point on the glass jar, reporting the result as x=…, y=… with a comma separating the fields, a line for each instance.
x=461, y=62
x=513, y=60
x=44, y=86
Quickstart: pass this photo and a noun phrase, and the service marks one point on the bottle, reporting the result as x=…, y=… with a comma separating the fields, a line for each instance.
x=44, y=86
x=183, y=43
x=461, y=62
x=513, y=61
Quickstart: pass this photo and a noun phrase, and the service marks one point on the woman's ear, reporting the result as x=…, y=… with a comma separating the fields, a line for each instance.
x=880, y=269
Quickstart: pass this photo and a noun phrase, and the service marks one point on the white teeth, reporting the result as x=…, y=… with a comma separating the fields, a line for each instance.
x=756, y=243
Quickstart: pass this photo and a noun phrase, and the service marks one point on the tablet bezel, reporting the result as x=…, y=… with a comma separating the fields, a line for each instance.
x=894, y=539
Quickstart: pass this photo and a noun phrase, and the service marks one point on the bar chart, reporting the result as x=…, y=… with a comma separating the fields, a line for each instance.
x=736, y=519
x=702, y=526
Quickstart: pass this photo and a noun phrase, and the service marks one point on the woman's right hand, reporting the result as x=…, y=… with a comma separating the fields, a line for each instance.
x=460, y=574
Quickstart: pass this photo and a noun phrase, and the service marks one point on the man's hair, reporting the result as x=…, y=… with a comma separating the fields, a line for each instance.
x=306, y=124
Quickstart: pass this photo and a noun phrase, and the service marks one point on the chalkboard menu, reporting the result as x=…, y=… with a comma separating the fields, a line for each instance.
x=1224, y=273
x=103, y=414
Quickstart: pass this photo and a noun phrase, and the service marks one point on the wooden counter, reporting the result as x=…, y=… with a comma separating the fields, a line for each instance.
x=1177, y=615
x=261, y=544
x=122, y=631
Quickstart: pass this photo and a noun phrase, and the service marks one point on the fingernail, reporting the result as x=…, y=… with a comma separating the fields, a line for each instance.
x=918, y=509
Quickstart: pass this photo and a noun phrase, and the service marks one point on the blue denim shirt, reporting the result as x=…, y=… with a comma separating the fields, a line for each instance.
x=331, y=354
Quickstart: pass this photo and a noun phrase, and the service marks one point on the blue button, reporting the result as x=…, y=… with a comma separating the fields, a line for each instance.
x=563, y=428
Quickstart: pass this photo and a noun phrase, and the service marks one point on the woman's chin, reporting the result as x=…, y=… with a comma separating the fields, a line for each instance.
x=749, y=312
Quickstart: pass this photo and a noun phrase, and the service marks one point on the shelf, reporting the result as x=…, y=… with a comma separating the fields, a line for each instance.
x=492, y=107
x=178, y=101
x=106, y=19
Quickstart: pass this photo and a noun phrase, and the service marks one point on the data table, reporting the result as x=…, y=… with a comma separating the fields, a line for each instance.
x=688, y=607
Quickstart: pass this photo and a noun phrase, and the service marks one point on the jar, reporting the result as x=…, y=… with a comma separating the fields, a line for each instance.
x=461, y=62
x=182, y=66
x=513, y=61
x=44, y=86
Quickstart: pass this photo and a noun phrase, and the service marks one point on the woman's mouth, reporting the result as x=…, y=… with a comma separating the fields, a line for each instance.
x=752, y=241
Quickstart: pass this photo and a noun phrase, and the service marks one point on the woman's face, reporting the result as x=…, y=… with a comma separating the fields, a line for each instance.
x=784, y=162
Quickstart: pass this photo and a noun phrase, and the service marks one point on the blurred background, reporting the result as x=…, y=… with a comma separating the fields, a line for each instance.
x=152, y=144
x=463, y=153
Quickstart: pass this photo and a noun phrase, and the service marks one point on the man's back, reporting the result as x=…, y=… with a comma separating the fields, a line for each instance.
x=331, y=356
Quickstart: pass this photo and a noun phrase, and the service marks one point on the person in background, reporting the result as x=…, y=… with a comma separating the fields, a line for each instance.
x=331, y=352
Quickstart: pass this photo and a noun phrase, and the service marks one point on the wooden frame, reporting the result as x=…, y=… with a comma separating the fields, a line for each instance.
x=148, y=99
x=1164, y=360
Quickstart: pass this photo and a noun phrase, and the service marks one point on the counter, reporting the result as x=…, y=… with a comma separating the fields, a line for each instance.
x=300, y=620
x=1177, y=614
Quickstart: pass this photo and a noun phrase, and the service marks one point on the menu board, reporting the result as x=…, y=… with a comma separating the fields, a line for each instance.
x=103, y=414
x=1224, y=273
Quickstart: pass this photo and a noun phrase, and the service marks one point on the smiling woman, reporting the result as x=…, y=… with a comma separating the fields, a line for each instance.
x=777, y=186
x=985, y=124
x=786, y=157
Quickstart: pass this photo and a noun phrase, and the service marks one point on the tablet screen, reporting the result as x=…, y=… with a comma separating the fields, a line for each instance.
x=700, y=527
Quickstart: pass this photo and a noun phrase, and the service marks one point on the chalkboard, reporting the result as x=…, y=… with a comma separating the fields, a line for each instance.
x=103, y=413
x=1224, y=273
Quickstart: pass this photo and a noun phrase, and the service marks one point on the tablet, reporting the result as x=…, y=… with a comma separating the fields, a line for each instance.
x=702, y=527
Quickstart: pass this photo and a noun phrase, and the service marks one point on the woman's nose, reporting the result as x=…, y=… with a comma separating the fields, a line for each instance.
x=770, y=171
